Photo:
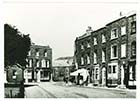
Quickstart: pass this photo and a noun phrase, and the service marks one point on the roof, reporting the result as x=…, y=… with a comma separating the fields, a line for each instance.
x=63, y=61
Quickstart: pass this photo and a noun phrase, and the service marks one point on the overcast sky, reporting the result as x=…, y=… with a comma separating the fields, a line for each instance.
x=58, y=24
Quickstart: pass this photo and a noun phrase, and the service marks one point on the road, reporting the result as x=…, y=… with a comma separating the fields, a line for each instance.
x=57, y=90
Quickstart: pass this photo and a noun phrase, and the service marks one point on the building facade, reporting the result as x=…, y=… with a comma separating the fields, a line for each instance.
x=109, y=53
x=39, y=64
x=62, y=67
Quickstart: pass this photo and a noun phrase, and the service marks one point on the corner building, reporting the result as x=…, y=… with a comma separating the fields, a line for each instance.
x=39, y=64
x=109, y=53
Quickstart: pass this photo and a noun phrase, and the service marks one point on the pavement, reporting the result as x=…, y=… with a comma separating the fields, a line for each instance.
x=62, y=90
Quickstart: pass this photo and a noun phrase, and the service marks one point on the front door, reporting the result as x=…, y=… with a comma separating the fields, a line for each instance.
x=103, y=76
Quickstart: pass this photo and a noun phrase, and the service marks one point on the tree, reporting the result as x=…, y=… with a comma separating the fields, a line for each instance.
x=16, y=46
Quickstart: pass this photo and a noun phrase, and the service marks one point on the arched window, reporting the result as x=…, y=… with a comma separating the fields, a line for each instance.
x=133, y=49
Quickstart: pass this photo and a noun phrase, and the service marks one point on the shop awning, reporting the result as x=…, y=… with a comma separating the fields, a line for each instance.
x=82, y=72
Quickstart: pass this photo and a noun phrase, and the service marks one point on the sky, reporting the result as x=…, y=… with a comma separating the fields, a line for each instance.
x=58, y=24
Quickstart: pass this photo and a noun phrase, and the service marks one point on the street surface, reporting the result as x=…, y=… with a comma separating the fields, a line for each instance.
x=60, y=90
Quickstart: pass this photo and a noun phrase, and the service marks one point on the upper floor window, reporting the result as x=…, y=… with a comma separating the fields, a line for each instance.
x=95, y=40
x=123, y=30
x=30, y=63
x=45, y=53
x=29, y=53
x=88, y=59
x=37, y=52
x=114, y=51
x=82, y=60
x=48, y=64
x=43, y=62
x=114, y=33
x=82, y=46
x=103, y=38
x=27, y=63
x=103, y=55
x=133, y=27
x=123, y=50
x=95, y=57
x=133, y=49
x=88, y=44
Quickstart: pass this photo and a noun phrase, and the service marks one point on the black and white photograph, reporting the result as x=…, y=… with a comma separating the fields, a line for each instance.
x=69, y=49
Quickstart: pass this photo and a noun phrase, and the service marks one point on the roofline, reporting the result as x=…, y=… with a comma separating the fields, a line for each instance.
x=115, y=20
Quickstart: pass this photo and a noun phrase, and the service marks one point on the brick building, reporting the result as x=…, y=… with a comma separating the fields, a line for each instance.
x=39, y=64
x=109, y=53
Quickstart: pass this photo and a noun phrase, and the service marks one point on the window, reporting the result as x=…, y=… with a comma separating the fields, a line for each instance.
x=130, y=73
x=103, y=55
x=133, y=27
x=45, y=53
x=27, y=64
x=114, y=33
x=82, y=60
x=14, y=74
x=123, y=30
x=123, y=50
x=43, y=63
x=82, y=46
x=103, y=38
x=29, y=53
x=95, y=57
x=109, y=69
x=114, y=69
x=30, y=63
x=97, y=73
x=37, y=63
x=48, y=64
x=114, y=51
x=133, y=49
x=37, y=52
x=95, y=41
x=88, y=44
x=88, y=59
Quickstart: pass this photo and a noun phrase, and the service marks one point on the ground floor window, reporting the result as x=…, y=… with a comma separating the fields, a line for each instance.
x=132, y=72
x=44, y=74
